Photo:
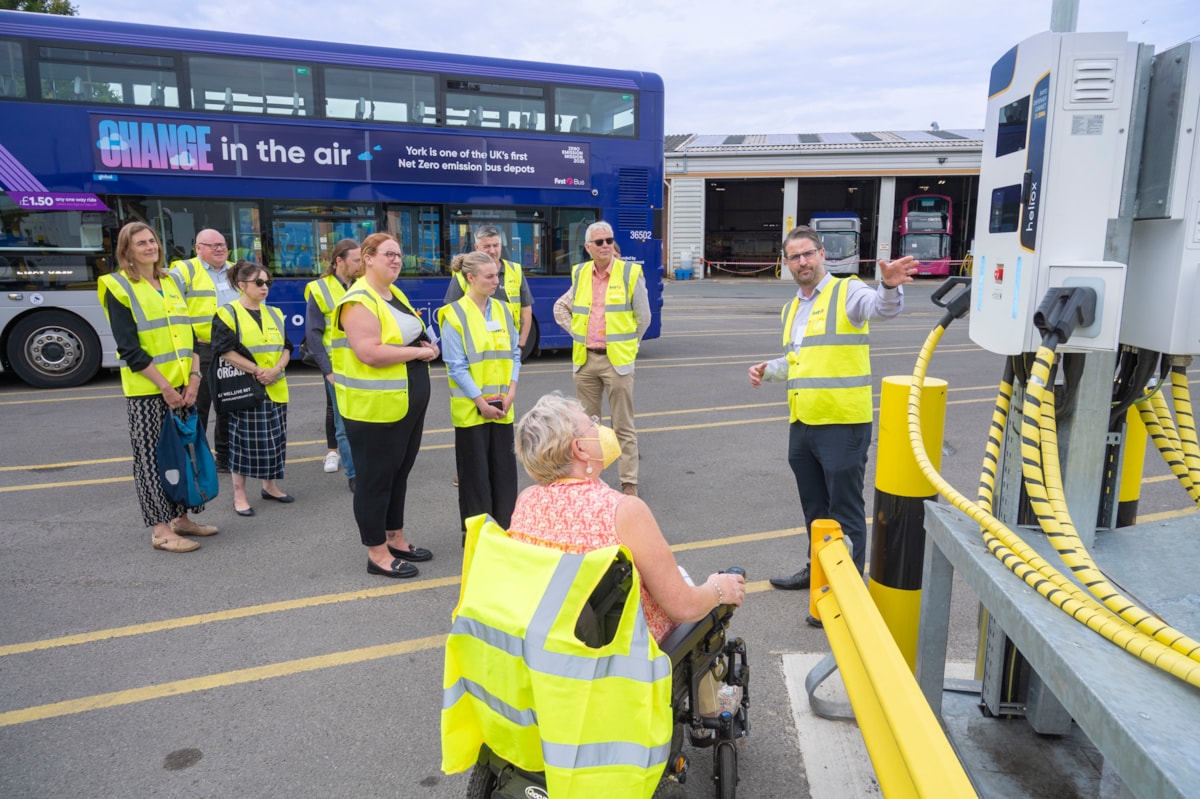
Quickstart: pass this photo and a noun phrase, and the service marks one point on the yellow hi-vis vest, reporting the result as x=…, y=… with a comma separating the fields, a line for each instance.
x=192, y=278
x=513, y=278
x=596, y=721
x=265, y=344
x=829, y=369
x=489, y=356
x=369, y=393
x=620, y=327
x=326, y=291
x=163, y=330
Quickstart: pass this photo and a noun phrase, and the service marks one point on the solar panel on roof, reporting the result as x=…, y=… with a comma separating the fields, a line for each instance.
x=945, y=134
x=866, y=137
x=810, y=138
x=734, y=140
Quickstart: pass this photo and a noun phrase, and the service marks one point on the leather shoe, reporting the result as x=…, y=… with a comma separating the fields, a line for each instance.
x=794, y=583
x=246, y=512
x=414, y=555
x=285, y=498
x=193, y=528
x=399, y=569
x=351, y=482
x=813, y=621
x=629, y=489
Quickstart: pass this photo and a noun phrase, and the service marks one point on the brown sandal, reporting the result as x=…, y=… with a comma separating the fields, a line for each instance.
x=175, y=544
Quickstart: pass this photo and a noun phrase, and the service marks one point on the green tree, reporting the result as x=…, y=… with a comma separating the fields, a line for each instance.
x=60, y=7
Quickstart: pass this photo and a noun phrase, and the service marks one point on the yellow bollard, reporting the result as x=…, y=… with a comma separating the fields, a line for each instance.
x=1133, y=463
x=898, y=534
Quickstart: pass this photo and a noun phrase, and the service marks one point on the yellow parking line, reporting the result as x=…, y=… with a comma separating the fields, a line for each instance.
x=222, y=680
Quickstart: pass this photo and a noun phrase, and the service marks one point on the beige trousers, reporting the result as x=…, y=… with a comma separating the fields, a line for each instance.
x=596, y=376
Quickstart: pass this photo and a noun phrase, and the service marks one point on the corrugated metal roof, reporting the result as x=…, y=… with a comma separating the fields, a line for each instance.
x=966, y=138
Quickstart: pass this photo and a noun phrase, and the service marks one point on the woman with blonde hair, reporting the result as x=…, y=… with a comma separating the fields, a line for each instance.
x=160, y=373
x=483, y=361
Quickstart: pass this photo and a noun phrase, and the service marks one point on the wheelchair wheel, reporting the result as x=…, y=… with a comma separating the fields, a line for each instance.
x=725, y=770
x=482, y=783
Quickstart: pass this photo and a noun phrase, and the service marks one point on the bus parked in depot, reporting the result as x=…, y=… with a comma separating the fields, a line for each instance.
x=925, y=231
x=287, y=146
x=839, y=232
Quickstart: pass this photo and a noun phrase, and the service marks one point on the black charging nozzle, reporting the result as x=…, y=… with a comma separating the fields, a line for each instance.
x=1063, y=309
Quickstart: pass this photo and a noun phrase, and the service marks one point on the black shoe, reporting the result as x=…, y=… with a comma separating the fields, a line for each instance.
x=797, y=581
x=286, y=498
x=246, y=512
x=813, y=621
x=414, y=555
x=399, y=569
x=351, y=482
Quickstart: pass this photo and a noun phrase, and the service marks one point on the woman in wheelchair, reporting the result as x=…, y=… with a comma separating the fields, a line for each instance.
x=539, y=673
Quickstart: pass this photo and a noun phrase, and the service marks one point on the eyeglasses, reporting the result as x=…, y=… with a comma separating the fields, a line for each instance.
x=797, y=257
x=259, y=282
x=593, y=423
x=221, y=246
x=391, y=256
x=602, y=242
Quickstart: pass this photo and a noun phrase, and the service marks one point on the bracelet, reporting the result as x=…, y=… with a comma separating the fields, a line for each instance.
x=720, y=595
x=197, y=374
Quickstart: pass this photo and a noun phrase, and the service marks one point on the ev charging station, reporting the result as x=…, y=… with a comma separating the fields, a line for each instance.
x=1089, y=186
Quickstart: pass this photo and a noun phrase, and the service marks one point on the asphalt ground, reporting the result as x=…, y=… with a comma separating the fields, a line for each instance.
x=269, y=663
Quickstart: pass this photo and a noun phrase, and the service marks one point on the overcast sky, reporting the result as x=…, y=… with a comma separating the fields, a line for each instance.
x=747, y=66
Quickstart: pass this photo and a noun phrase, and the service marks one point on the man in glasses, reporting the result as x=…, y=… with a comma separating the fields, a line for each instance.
x=607, y=311
x=205, y=285
x=827, y=366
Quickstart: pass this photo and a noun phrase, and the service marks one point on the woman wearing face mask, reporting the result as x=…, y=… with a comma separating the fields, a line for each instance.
x=572, y=510
x=483, y=361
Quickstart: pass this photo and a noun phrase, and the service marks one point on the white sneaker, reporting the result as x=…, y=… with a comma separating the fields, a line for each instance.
x=332, y=462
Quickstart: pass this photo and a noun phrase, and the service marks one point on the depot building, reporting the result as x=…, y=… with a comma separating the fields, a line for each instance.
x=731, y=199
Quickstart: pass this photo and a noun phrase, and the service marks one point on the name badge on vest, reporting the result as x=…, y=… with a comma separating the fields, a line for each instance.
x=493, y=325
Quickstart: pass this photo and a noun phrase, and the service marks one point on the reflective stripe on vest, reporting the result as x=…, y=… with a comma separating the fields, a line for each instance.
x=368, y=393
x=265, y=344
x=829, y=371
x=620, y=326
x=538, y=696
x=201, y=294
x=489, y=357
x=326, y=291
x=164, y=335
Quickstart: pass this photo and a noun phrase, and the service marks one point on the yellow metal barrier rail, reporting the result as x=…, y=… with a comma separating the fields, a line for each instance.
x=909, y=750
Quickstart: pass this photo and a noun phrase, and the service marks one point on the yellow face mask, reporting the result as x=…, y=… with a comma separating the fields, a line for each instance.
x=610, y=448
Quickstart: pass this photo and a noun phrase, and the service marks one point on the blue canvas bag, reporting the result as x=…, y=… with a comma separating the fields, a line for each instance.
x=185, y=465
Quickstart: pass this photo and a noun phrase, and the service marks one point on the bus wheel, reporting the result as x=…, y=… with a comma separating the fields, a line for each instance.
x=53, y=349
x=531, y=344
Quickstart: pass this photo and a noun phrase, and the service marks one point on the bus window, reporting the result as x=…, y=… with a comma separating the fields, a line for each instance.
x=12, y=70
x=240, y=86
x=101, y=76
x=599, y=113
x=370, y=96
x=495, y=105
x=50, y=249
x=418, y=229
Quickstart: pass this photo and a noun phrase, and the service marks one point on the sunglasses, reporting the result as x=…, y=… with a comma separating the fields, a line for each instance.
x=259, y=282
x=602, y=242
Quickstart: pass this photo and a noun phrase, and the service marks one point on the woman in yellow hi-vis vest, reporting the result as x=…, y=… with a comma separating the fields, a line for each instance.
x=250, y=335
x=381, y=354
x=159, y=372
x=483, y=360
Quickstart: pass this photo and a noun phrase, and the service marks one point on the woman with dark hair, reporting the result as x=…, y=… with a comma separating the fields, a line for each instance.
x=322, y=295
x=160, y=374
x=250, y=335
x=381, y=376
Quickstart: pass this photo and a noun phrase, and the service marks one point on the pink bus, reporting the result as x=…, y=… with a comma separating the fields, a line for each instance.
x=925, y=228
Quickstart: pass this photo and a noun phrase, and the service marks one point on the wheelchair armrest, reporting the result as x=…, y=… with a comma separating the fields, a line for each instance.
x=687, y=638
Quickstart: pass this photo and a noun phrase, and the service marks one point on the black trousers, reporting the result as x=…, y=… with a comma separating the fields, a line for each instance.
x=204, y=403
x=487, y=471
x=384, y=454
x=830, y=464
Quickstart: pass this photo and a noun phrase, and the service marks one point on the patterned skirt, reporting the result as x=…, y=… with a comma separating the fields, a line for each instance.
x=146, y=417
x=258, y=441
